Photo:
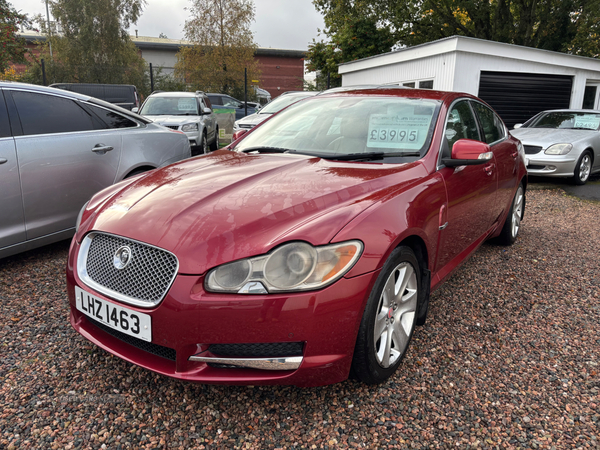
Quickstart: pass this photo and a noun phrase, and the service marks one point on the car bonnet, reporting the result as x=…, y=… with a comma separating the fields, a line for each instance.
x=226, y=206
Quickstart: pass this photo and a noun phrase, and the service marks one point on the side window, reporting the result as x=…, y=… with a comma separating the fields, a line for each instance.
x=461, y=124
x=4, y=124
x=44, y=114
x=228, y=101
x=492, y=126
x=111, y=118
x=215, y=100
x=208, y=102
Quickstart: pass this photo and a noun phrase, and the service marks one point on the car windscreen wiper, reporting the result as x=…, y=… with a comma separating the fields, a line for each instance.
x=261, y=149
x=370, y=156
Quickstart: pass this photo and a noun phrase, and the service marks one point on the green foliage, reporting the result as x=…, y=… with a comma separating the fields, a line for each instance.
x=354, y=32
x=223, y=46
x=12, y=47
x=571, y=26
x=94, y=45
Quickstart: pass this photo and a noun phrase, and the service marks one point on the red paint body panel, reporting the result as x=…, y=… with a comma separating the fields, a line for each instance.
x=226, y=206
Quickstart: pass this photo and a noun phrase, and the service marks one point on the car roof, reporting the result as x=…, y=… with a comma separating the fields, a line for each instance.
x=44, y=89
x=593, y=111
x=396, y=91
x=175, y=94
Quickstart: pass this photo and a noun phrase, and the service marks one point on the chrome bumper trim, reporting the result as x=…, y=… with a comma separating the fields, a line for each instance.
x=286, y=363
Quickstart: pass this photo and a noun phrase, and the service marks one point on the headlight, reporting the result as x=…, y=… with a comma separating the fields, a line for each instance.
x=190, y=127
x=297, y=266
x=79, y=216
x=558, y=149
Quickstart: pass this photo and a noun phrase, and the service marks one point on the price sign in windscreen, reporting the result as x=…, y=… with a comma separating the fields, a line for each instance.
x=403, y=131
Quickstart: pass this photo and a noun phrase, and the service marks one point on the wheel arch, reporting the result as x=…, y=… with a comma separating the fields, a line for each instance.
x=138, y=170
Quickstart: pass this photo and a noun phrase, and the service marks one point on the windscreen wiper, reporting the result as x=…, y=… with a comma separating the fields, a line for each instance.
x=370, y=156
x=262, y=149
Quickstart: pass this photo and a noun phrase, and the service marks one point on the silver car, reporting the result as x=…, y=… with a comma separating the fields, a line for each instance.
x=190, y=112
x=283, y=101
x=562, y=143
x=57, y=149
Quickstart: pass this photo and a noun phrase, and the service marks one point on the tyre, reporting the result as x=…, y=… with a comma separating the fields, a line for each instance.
x=215, y=144
x=512, y=224
x=583, y=169
x=204, y=145
x=389, y=318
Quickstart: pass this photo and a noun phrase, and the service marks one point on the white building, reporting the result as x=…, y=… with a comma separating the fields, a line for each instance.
x=516, y=81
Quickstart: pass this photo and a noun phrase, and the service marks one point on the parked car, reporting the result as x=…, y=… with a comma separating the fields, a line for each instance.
x=308, y=249
x=189, y=112
x=268, y=110
x=57, y=149
x=224, y=101
x=123, y=95
x=562, y=143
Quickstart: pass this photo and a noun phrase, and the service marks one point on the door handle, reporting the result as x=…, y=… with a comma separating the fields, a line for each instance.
x=489, y=169
x=101, y=149
x=3, y=160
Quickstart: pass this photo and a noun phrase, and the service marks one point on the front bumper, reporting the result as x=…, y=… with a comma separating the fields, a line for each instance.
x=551, y=166
x=189, y=322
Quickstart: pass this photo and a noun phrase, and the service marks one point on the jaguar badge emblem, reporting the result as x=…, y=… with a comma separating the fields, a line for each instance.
x=122, y=258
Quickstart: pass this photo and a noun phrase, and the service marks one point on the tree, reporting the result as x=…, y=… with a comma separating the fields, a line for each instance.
x=353, y=37
x=223, y=46
x=12, y=47
x=94, y=45
x=571, y=26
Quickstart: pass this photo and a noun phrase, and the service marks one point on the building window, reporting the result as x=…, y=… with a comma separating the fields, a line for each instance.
x=426, y=84
x=410, y=84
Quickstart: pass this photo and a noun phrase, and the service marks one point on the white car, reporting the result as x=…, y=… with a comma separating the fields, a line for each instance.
x=189, y=112
x=283, y=101
x=562, y=143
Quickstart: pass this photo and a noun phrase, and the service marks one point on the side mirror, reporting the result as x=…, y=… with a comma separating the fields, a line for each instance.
x=206, y=111
x=238, y=134
x=135, y=110
x=517, y=126
x=467, y=152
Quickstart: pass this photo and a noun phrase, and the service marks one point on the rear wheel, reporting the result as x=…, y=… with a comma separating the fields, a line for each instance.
x=583, y=168
x=215, y=143
x=512, y=225
x=389, y=318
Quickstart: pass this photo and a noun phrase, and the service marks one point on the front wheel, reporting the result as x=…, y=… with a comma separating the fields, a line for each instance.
x=389, y=318
x=583, y=169
x=512, y=225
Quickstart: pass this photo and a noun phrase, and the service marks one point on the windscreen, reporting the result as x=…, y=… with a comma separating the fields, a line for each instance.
x=170, y=106
x=281, y=102
x=567, y=120
x=350, y=125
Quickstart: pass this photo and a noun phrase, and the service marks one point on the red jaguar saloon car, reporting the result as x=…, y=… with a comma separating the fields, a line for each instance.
x=305, y=250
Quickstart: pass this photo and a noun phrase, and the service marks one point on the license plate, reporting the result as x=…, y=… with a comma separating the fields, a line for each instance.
x=121, y=319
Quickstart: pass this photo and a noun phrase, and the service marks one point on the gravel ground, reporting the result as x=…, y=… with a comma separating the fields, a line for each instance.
x=508, y=359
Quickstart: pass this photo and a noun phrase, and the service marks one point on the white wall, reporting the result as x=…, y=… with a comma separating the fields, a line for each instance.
x=438, y=68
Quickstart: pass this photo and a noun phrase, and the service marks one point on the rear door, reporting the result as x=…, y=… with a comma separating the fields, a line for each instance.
x=505, y=153
x=66, y=155
x=12, y=221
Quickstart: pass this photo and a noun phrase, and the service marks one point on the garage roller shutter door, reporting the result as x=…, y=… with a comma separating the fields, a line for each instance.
x=518, y=96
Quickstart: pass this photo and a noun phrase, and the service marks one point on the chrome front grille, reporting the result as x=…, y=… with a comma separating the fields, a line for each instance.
x=143, y=281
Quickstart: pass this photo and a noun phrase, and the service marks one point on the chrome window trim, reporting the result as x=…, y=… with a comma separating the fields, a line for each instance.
x=85, y=278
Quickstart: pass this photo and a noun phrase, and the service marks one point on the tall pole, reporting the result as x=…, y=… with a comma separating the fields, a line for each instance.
x=245, y=91
x=49, y=29
x=151, y=80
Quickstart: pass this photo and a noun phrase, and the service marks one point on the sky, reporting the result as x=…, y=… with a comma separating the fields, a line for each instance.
x=286, y=24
